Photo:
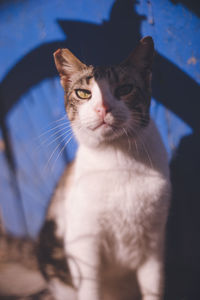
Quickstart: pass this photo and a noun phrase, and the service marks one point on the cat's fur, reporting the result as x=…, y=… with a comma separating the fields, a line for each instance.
x=19, y=271
x=105, y=227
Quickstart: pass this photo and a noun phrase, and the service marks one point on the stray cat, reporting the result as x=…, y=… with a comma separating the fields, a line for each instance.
x=105, y=228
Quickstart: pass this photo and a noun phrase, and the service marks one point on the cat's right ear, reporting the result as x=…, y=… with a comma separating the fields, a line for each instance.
x=142, y=56
x=67, y=64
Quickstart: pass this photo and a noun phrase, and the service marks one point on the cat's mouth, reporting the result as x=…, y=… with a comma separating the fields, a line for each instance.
x=106, y=127
x=101, y=125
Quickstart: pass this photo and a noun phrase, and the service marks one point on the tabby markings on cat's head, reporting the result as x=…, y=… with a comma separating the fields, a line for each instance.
x=105, y=103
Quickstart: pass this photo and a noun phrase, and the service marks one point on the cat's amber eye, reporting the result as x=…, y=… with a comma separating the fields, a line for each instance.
x=83, y=94
x=123, y=90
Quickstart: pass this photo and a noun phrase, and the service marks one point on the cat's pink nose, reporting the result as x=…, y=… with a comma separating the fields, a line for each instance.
x=102, y=109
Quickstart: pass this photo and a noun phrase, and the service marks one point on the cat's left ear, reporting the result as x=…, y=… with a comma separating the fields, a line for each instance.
x=67, y=64
x=142, y=57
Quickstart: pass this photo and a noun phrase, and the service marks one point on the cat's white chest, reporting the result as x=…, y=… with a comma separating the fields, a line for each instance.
x=112, y=206
x=126, y=217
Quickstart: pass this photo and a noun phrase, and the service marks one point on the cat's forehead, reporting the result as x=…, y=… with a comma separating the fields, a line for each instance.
x=100, y=86
x=112, y=75
x=83, y=77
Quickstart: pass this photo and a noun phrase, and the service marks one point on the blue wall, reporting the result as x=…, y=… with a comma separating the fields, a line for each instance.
x=31, y=102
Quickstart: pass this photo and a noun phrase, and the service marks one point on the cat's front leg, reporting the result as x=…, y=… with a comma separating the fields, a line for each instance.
x=83, y=262
x=81, y=243
x=150, y=278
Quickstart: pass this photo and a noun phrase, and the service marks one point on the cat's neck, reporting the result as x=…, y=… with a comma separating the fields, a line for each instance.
x=144, y=151
x=108, y=155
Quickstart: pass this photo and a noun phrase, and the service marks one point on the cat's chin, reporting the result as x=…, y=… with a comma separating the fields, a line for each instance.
x=102, y=135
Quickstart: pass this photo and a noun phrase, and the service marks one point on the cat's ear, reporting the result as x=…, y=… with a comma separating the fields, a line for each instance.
x=143, y=54
x=142, y=57
x=67, y=64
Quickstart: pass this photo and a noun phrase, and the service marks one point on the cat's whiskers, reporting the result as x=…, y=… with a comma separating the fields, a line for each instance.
x=140, y=118
x=53, y=128
x=136, y=117
x=141, y=141
x=63, y=130
x=136, y=147
x=45, y=141
x=129, y=143
x=62, y=118
x=53, y=152
x=62, y=149
x=139, y=122
x=66, y=127
x=69, y=131
x=146, y=150
x=88, y=122
x=115, y=131
x=45, y=131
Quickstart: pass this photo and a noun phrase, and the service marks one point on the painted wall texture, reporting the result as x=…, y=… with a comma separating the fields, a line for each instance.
x=35, y=143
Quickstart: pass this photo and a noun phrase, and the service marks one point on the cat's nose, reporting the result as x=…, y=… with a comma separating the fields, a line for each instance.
x=102, y=109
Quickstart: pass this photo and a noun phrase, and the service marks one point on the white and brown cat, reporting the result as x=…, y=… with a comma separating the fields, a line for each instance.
x=105, y=227
x=104, y=233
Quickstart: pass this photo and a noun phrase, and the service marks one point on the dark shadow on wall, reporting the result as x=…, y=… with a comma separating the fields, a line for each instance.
x=114, y=40
x=193, y=5
x=183, y=248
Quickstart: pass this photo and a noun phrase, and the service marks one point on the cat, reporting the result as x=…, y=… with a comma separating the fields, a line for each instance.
x=104, y=233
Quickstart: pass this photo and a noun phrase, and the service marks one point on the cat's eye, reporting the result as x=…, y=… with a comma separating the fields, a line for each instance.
x=83, y=94
x=123, y=90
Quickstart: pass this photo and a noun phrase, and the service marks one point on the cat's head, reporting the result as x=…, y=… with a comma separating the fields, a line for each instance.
x=106, y=103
